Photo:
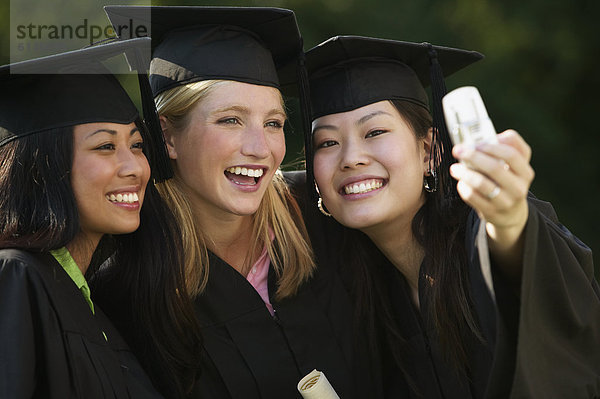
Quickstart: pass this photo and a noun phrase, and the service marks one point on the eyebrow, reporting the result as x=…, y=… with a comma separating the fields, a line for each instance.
x=371, y=115
x=112, y=132
x=362, y=120
x=246, y=110
x=238, y=108
x=324, y=127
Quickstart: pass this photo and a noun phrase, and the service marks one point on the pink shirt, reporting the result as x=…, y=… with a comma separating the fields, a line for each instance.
x=258, y=276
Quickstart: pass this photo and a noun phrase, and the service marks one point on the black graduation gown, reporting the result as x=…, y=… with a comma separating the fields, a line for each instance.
x=547, y=333
x=51, y=345
x=433, y=376
x=543, y=342
x=250, y=354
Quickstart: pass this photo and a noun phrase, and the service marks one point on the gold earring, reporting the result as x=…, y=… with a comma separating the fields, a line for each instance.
x=322, y=207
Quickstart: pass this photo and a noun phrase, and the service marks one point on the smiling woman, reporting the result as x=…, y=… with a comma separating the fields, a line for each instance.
x=74, y=183
x=455, y=284
x=108, y=164
x=233, y=143
x=215, y=75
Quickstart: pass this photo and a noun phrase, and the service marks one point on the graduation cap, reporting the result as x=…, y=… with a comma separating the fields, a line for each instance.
x=349, y=72
x=73, y=88
x=190, y=44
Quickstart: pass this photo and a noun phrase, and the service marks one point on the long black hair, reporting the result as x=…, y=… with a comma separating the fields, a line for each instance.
x=38, y=213
x=37, y=205
x=142, y=289
x=439, y=227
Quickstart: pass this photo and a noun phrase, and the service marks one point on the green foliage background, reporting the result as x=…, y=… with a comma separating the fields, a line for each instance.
x=539, y=76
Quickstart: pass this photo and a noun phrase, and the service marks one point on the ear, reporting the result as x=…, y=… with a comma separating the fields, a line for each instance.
x=426, y=143
x=168, y=135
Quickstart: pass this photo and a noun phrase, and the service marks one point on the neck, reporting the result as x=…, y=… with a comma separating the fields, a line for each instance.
x=397, y=242
x=82, y=248
x=227, y=235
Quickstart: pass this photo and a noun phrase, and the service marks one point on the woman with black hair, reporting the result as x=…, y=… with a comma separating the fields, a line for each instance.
x=464, y=291
x=74, y=183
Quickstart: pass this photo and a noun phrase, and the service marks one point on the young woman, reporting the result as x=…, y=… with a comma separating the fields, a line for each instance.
x=75, y=189
x=214, y=74
x=416, y=243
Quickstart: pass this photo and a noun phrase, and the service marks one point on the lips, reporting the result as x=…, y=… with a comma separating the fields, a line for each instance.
x=244, y=176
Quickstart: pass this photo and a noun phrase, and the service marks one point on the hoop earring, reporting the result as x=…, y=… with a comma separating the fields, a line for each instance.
x=430, y=181
x=322, y=207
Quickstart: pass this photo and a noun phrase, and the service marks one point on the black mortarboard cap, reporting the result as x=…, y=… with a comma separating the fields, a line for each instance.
x=246, y=44
x=349, y=72
x=73, y=88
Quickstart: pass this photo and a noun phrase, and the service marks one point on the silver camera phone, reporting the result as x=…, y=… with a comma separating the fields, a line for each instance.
x=466, y=117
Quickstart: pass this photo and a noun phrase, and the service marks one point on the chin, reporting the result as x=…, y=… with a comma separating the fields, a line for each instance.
x=244, y=211
x=358, y=222
x=126, y=228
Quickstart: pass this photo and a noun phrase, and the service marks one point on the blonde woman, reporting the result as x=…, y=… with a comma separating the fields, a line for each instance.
x=214, y=75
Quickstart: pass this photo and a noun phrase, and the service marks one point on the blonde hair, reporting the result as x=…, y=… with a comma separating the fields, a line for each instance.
x=290, y=252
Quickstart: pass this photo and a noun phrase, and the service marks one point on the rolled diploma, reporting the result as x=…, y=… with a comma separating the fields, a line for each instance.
x=315, y=386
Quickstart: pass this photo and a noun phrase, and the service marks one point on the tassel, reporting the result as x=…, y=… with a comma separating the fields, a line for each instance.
x=441, y=149
x=304, y=98
x=157, y=149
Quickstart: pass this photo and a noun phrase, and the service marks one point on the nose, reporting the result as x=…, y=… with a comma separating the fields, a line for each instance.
x=353, y=155
x=254, y=142
x=131, y=164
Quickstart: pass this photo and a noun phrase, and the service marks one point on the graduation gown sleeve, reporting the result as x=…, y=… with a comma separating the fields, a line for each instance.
x=17, y=326
x=548, y=332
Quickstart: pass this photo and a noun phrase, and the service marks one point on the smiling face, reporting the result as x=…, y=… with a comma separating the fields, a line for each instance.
x=109, y=177
x=369, y=166
x=230, y=149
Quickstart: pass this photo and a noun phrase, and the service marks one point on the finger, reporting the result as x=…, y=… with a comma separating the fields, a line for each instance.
x=481, y=186
x=509, y=155
x=476, y=200
x=514, y=139
x=513, y=174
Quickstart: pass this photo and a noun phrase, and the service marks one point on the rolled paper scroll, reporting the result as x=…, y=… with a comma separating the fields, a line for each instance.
x=316, y=386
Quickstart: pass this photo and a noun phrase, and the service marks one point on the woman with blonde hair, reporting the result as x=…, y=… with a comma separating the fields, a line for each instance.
x=215, y=75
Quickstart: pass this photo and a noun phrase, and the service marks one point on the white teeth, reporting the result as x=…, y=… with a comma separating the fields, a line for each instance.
x=128, y=198
x=237, y=170
x=363, y=187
